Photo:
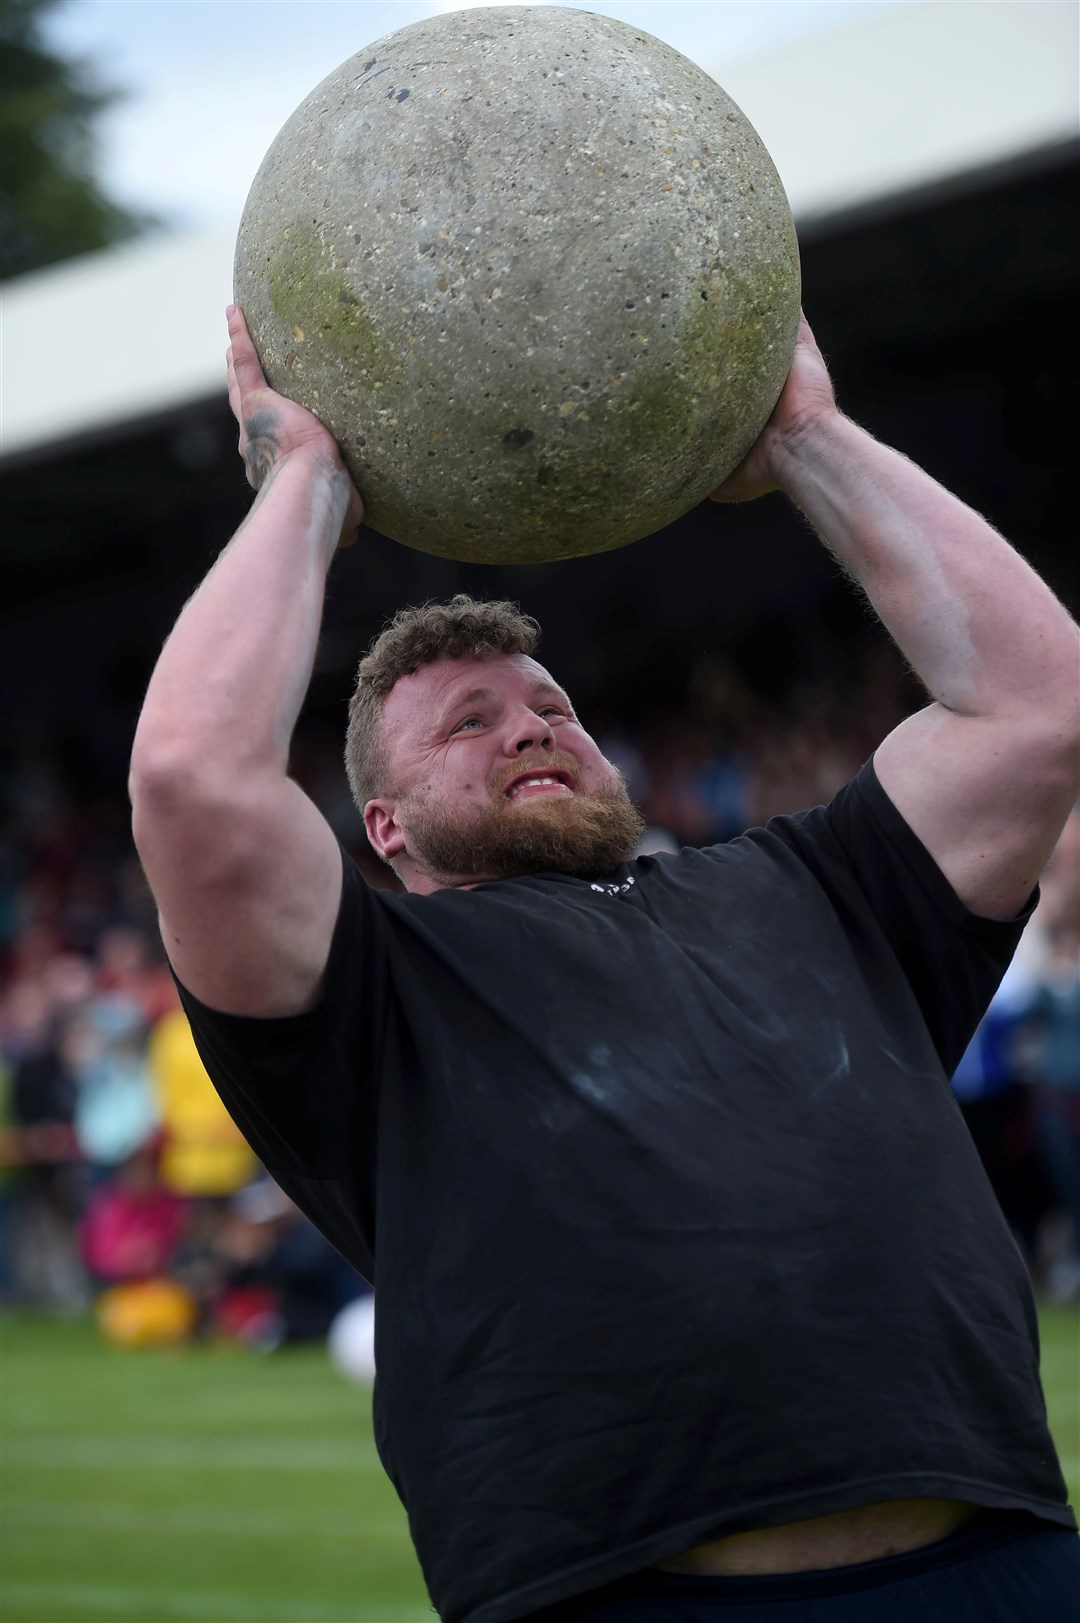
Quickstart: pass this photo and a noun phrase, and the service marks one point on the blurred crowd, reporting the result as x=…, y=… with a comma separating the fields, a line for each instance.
x=126, y=1189
x=124, y=1186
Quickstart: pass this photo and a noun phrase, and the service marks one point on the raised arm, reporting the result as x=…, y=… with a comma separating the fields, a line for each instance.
x=987, y=773
x=245, y=871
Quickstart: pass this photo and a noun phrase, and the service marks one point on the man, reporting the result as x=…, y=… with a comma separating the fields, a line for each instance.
x=693, y=1299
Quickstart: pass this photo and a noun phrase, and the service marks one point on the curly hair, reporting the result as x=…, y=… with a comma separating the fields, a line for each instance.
x=415, y=637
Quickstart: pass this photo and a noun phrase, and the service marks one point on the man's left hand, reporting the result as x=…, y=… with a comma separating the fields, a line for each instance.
x=807, y=397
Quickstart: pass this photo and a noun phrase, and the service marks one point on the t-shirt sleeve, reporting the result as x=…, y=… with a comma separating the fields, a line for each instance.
x=953, y=959
x=303, y=1089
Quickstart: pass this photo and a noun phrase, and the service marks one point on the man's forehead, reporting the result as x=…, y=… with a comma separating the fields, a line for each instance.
x=426, y=692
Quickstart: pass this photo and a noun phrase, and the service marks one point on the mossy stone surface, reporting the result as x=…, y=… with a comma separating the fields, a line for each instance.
x=534, y=270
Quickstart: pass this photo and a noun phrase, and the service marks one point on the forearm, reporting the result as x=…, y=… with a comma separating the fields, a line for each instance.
x=230, y=681
x=982, y=631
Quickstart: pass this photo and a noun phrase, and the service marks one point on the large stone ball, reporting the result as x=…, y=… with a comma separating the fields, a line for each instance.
x=536, y=273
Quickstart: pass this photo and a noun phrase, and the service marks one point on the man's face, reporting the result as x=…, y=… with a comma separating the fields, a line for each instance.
x=494, y=776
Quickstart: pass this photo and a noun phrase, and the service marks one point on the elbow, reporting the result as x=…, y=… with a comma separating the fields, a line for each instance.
x=173, y=789
x=1051, y=750
x=186, y=763
x=188, y=803
x=188, y=822
x=165, y=794
x=162, y=776
x=179, y=762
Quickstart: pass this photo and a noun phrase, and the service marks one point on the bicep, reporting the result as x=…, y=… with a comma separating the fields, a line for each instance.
x=987, y=797
x=248, y=892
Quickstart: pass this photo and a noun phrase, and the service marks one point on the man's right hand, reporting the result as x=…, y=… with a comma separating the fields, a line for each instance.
x=272, y=427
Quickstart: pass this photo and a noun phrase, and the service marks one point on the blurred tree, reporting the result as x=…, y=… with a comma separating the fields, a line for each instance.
x=51, y=205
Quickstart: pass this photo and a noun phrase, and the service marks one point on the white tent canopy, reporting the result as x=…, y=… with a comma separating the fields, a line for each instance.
x=896, y=102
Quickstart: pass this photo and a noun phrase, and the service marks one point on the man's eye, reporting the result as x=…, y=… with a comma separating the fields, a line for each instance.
x=550, y=710
x=470, y=721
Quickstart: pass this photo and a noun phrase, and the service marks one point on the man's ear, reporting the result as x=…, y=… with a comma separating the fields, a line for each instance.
x=385, y=835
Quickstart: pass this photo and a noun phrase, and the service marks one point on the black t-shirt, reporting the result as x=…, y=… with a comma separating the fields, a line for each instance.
x=674, y=1223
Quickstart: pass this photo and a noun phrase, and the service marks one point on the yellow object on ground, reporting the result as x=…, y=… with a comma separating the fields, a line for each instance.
x=149, y=1313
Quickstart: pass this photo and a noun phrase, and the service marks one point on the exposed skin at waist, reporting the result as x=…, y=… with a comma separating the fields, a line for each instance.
x=870, y=1533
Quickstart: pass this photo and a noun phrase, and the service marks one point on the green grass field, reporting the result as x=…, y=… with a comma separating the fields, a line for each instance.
x=218, y=1485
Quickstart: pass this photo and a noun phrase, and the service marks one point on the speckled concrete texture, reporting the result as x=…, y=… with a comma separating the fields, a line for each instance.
x=534, y=270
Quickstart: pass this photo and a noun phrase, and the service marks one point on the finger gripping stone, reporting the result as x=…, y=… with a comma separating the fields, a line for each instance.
x=535, y=272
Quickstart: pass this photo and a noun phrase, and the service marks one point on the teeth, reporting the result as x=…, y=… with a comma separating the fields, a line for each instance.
x=528, y=782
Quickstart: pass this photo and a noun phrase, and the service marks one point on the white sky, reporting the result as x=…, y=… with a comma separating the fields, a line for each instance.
x=210, y=82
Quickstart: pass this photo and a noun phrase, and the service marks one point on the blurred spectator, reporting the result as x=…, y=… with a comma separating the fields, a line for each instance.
x=797, y=764
x=287, y=1282
x=697, y=790
x=203, y=1152
x=125, y=965
x=1050, y=1050
x=1019, y=1081
x=50, y=1191
x=115, y=1109
x=990, y=1084
x=132, y=1228
x=1053, y=1063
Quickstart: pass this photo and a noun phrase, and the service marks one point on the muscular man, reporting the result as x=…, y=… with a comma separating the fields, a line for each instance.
x=693, y=1299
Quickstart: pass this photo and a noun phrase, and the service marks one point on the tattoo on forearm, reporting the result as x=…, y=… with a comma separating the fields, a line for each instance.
x=261, y=451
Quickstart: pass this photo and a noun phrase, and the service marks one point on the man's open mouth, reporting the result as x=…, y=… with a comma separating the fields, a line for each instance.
x=530, y=784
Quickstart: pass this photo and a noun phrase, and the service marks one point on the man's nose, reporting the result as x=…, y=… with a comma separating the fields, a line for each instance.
x=531, y=732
